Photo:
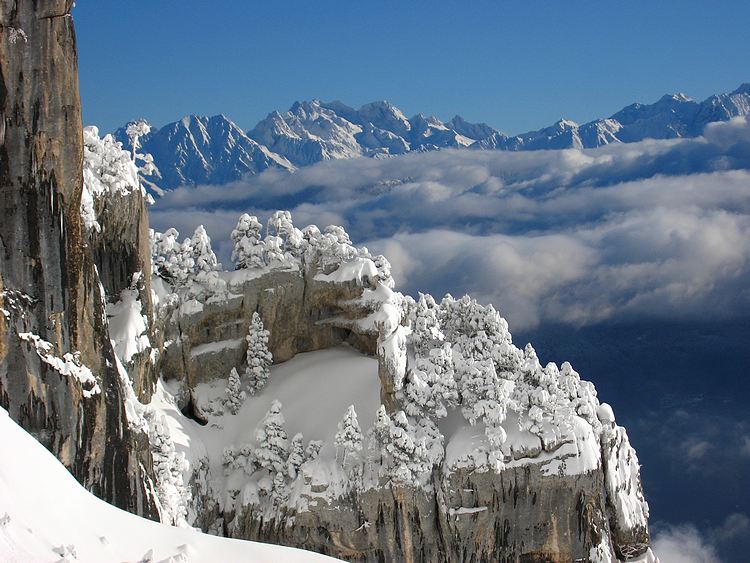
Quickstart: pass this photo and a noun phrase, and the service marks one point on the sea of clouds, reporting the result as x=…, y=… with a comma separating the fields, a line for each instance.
x=652, y=229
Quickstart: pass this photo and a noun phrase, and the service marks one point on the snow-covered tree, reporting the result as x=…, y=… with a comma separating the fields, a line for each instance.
x=312, y=451
x=247, y=247
x=171, y=260
x=334, y=247
x=279, y=490
x=206, y=266
x=275, y=257
x=272, y=452
x=135, y=130
x=410, y=462
x=479, y=332
x=203, y=255
x=235, y=394
x=259, y=358
x=485, y=397
x=348, y=439
x=169, y=465
x=242, y=458
x=431, y=386
x=426, y=332
x=296, y=456
x=384, y=271
x=291, y=238
x=380, y=434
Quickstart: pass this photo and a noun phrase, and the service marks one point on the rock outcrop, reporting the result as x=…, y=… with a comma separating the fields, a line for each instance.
x=53, y=329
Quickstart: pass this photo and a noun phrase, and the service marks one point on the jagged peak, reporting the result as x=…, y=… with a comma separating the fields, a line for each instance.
x=564, y=123
x=743, y=88
x=678, y=97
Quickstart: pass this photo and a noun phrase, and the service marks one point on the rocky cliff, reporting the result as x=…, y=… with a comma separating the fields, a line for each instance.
x=57, y=368
x=436, y=487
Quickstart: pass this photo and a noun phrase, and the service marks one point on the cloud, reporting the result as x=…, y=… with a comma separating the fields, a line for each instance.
x=735, y=526
x=696, y=450
x=745, y=446
x=683, y=544
x=649, y=229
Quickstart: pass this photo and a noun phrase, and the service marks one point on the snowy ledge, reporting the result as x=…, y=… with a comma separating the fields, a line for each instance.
x=69, y=365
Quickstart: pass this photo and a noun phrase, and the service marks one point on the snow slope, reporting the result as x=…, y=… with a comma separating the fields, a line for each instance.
x=314, y=388
x=45, y=515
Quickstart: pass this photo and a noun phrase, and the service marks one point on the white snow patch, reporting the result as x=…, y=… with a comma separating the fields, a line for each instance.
x=69, y=365
x=358, y=269
x=216, y=346
x=466, y=510
x=128, y=326
x=76, y=524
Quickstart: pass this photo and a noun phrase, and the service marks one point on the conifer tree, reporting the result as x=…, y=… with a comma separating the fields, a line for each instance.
x=296, y=456
x=247, y=247
x=235, y=394
x=348, y=440
x=259, y=358
x=272, y=451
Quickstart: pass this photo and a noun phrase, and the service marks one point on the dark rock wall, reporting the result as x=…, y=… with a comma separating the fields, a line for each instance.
x=44, y=255
x=519, y=515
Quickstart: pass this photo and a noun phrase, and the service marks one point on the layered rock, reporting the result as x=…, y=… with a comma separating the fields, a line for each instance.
x=58, y=375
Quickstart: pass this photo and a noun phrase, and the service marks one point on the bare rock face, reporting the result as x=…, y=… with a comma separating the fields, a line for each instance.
x=53, y=332
x=302, y=314
x=121, y=252
x=516, y=515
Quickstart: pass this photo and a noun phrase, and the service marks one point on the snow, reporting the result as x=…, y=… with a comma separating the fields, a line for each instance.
x=47, y=515
x=359, y=270
x=69, y=365
x=128, y=326
x=216, y=346
x=621, y=471
x=466, y=510
x=238, y=277
x=191, y=307
x=468, y=447
x=315, y=390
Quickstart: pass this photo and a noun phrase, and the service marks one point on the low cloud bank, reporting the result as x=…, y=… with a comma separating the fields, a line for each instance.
x=687, y=544
x=652, y=229
x=683, y=544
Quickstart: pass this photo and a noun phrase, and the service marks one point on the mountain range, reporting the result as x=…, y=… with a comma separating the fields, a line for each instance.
x=214, y=150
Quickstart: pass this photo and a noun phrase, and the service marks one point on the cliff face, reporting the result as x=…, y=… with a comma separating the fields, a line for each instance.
x=301, y=314
x=574, y=497
x=516, y=515
x=58, y=375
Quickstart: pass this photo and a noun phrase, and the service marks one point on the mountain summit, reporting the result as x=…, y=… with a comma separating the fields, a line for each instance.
x=214, y=150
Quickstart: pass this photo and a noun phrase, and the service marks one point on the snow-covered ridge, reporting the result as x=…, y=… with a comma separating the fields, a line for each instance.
x=458, y=395
x=214, y=150
x=448, y=394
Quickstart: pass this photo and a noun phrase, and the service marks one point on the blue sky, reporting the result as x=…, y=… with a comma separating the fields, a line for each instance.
x=514, y=65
